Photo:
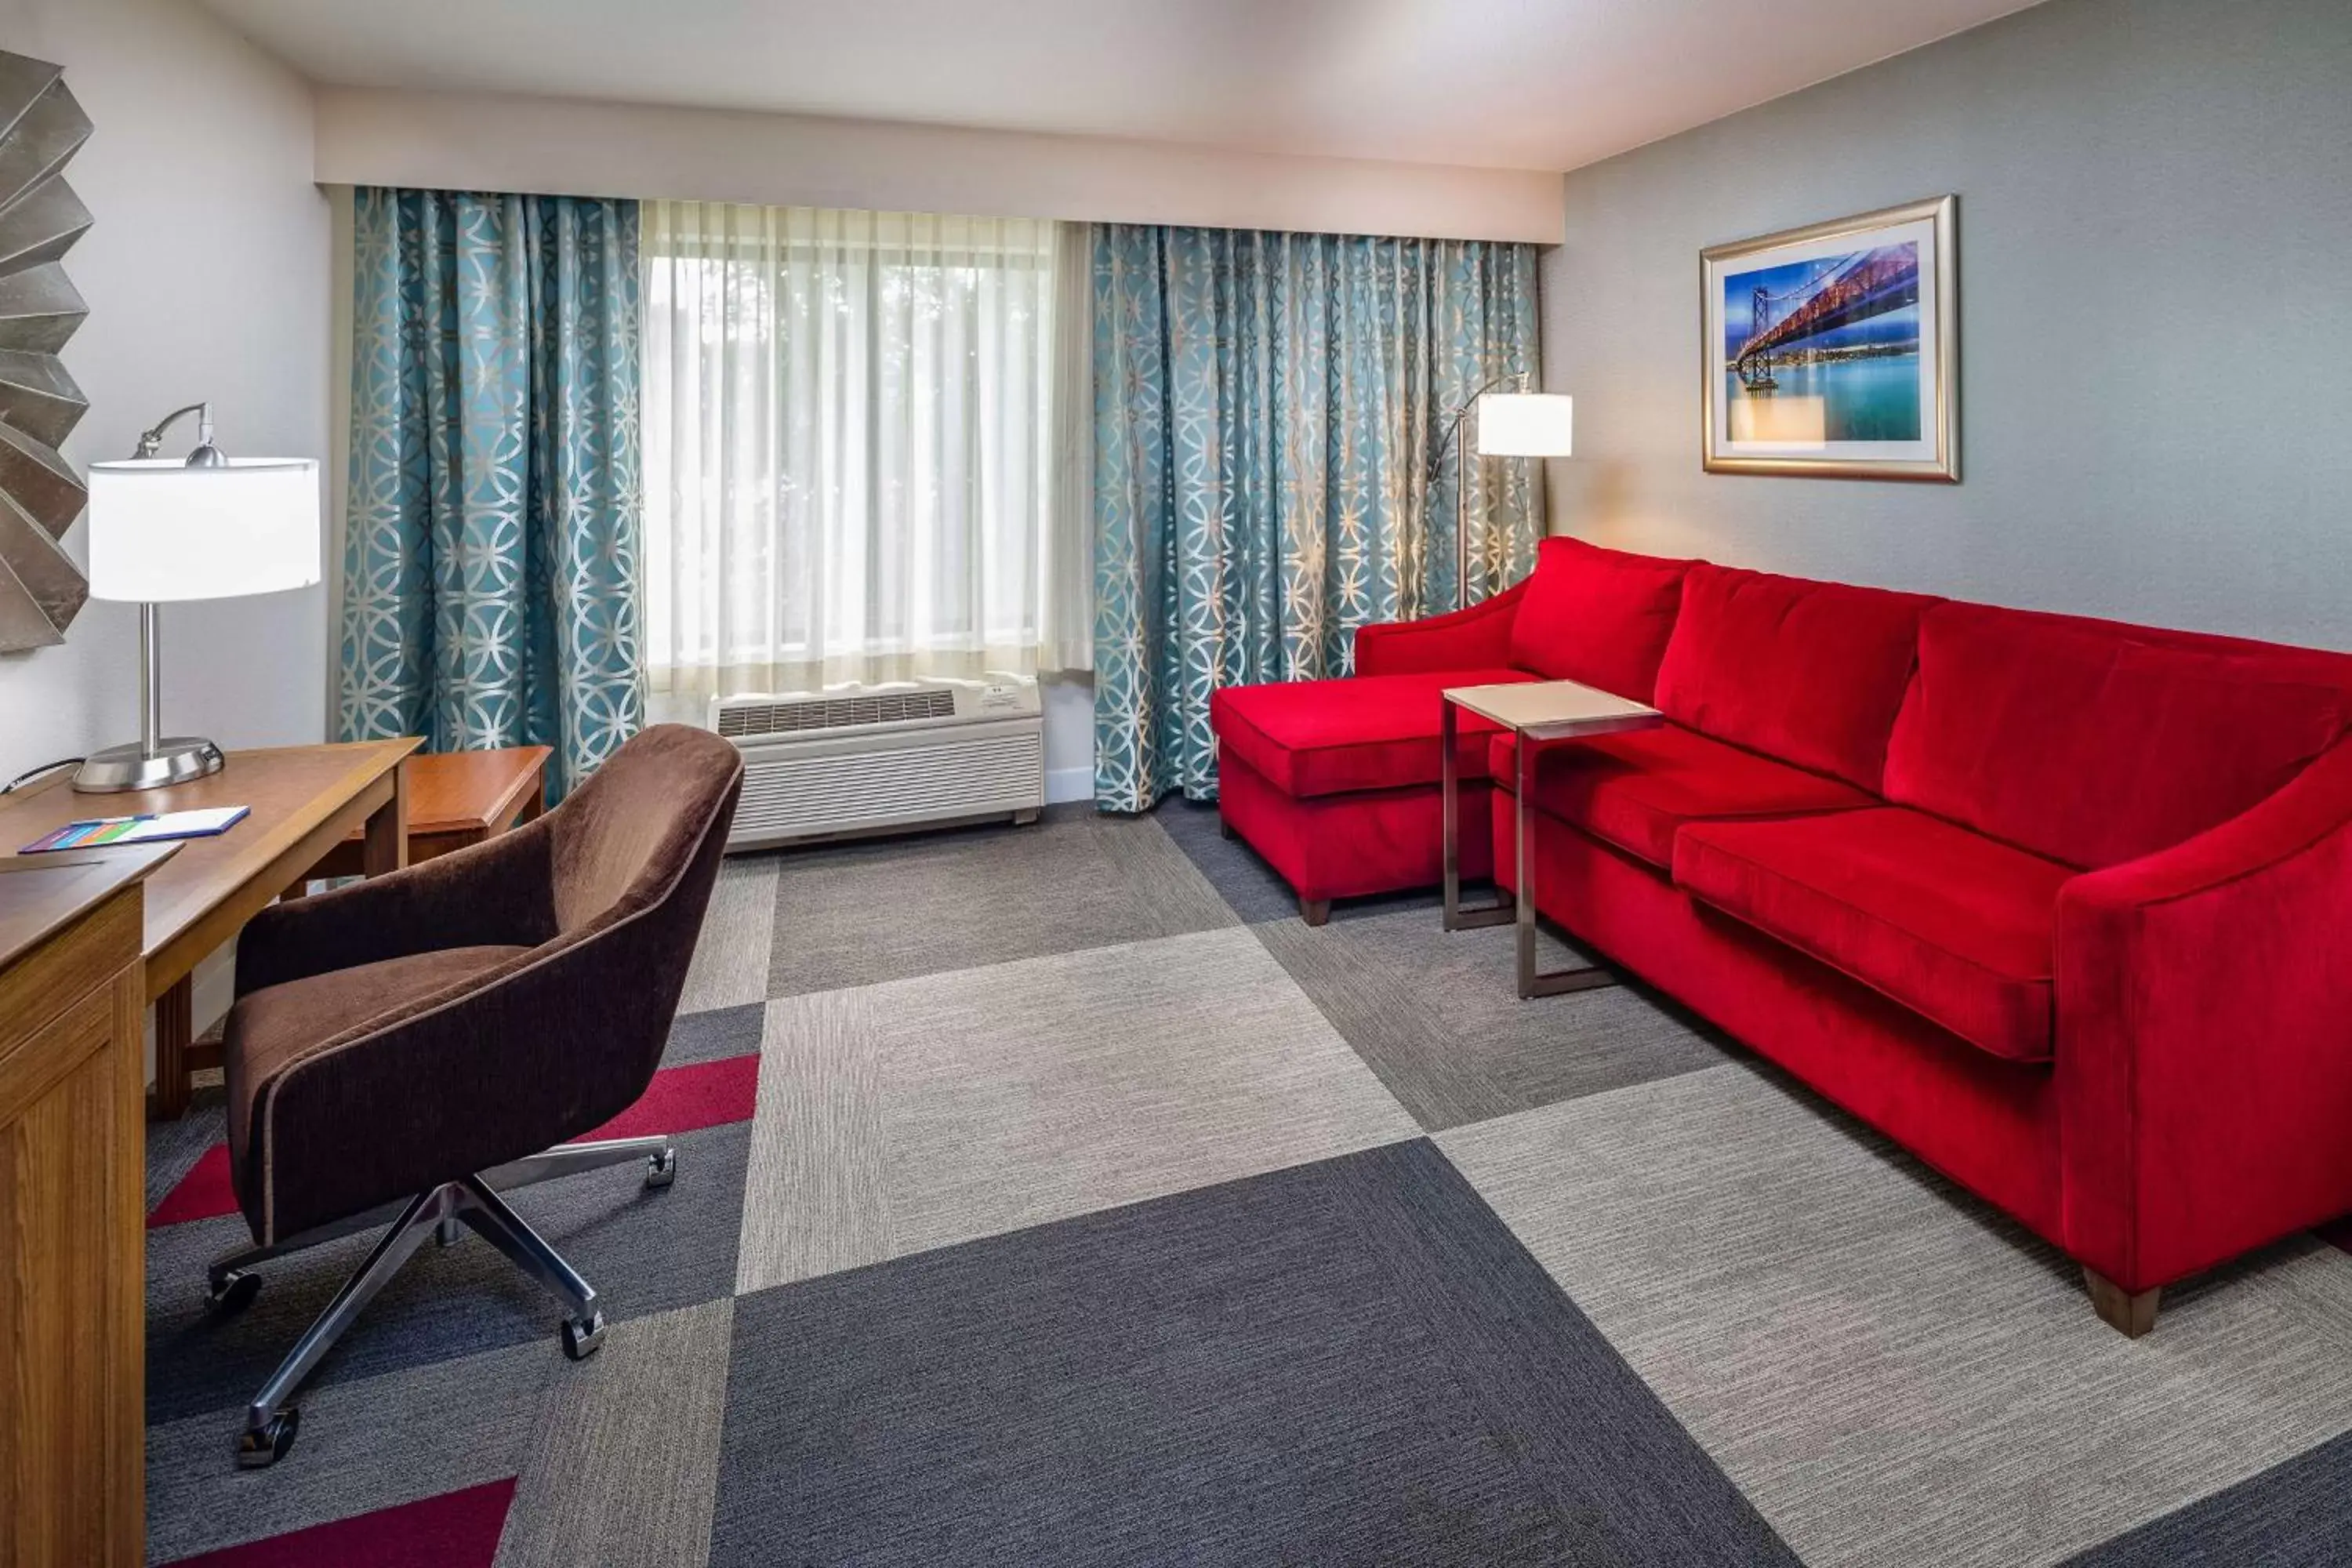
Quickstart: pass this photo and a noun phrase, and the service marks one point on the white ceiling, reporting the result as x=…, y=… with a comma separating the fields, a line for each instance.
x=1526, y=84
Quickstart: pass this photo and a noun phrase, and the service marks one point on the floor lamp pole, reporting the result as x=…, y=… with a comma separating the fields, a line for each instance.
x=1462, y=485
x=1462, y=533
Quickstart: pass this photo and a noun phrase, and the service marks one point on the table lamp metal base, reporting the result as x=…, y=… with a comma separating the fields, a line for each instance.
x=155, y=760
x=174, y=760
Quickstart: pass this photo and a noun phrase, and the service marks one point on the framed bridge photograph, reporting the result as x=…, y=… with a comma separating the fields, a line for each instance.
x=1834, y=350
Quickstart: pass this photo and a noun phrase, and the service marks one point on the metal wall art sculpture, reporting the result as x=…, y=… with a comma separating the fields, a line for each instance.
x=41, y=127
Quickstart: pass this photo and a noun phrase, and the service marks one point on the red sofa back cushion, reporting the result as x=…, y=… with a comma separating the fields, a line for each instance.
x=2095, y=743
x=1601, y=617
x=1811, y=673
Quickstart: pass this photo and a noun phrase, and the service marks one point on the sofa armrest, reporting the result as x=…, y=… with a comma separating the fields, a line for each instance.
x=1460, y=639
x=2204, y=1061
x=495, y=893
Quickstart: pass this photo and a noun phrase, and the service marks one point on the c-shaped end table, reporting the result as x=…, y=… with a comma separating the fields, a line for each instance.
x=1536, y=713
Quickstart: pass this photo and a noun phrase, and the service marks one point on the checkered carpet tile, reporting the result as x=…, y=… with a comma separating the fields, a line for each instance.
x=1053, y=1195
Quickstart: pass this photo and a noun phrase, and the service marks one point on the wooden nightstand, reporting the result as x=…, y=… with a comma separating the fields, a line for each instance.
x=456, y=798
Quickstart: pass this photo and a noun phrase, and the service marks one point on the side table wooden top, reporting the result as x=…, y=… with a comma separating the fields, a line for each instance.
x=472, y=792
x=1554, y=709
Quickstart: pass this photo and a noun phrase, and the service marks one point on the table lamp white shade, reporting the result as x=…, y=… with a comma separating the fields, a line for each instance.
x=1526, y=425
x=161, y=531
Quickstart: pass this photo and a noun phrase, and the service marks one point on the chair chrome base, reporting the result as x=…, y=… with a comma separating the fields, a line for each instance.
x=270, y=1423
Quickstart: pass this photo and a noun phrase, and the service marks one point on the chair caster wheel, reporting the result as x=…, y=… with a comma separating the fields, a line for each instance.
x=234, y=1291
x=263, y=1446
x=661, y=1169
x=582, y=1335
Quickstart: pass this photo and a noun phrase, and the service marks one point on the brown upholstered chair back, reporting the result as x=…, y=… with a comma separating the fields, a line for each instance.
x=352, y=1082
x=628, y=832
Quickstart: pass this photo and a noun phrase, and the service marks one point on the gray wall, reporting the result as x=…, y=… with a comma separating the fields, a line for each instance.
x=2155, y=301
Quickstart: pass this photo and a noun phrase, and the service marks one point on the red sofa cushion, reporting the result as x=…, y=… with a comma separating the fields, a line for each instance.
x=2080, y=741
x=1637, y=790
x=1809, y=672
x=1601, y=617
x=1373, y=731
x=1946, y=922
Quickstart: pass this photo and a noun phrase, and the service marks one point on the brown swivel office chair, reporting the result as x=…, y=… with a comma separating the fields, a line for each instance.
x=405, y=1048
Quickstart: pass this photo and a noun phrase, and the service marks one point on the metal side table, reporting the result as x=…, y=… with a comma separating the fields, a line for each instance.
x=1537, y=714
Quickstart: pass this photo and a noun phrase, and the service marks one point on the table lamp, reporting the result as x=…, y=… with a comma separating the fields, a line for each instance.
x=207, y=526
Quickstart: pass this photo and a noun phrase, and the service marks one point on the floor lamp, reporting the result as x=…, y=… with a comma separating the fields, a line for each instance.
x=1510, y=425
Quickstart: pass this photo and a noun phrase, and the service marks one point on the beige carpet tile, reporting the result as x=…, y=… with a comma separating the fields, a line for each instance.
x=626, y=1470
x=1892, y=1373
x=926, y=1112
x=730, y=962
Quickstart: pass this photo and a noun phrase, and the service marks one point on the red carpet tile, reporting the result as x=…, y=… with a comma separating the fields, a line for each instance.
x=688, y=1099
x=203, y=1193
x=456, y=1530
x=680, y=1100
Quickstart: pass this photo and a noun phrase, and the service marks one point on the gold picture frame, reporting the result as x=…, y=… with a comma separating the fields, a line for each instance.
x=1833, y=350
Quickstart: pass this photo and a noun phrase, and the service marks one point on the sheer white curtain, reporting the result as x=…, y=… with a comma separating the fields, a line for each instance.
x=858, y=452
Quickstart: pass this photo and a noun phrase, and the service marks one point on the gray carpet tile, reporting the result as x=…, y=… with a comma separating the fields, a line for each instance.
x=710, y=1036
x=1437, y=1014
x=366, y=1444
x=644, y=1251
x=922, y=1112
x=1252, y=888
x=730, y=962
x=626, y=1470
x=2295, y=1515
x=1342, y=1363
x=862, y=913
x=1074, y=1231
x=1892, y=1373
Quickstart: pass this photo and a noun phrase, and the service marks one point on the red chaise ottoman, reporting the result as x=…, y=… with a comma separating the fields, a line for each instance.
x=1336, y=781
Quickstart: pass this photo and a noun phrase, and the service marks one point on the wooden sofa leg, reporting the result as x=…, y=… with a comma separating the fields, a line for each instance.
x=2129, y=1315
x=1315, y=911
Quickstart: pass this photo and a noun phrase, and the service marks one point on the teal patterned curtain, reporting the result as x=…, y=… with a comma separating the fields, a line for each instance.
x=1264, y=409
x=490, y=564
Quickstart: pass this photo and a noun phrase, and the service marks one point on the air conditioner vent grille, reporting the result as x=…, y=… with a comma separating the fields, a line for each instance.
x=834, y=713
x=788, y=794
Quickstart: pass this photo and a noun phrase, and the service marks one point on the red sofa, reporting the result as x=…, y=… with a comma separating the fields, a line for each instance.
x=2049, y=900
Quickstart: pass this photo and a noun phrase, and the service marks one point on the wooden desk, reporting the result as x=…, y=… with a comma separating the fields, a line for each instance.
x=456, y=798
x=72, y=1180
x=304, y=801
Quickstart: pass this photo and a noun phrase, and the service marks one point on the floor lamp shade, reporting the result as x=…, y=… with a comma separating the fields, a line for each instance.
x=1526, y=425
x=161, y=531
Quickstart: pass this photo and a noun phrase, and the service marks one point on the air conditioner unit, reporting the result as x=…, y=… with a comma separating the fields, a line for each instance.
x=854, y=760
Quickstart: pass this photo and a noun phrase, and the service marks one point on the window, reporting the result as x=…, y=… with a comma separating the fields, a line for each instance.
x=852, y=469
